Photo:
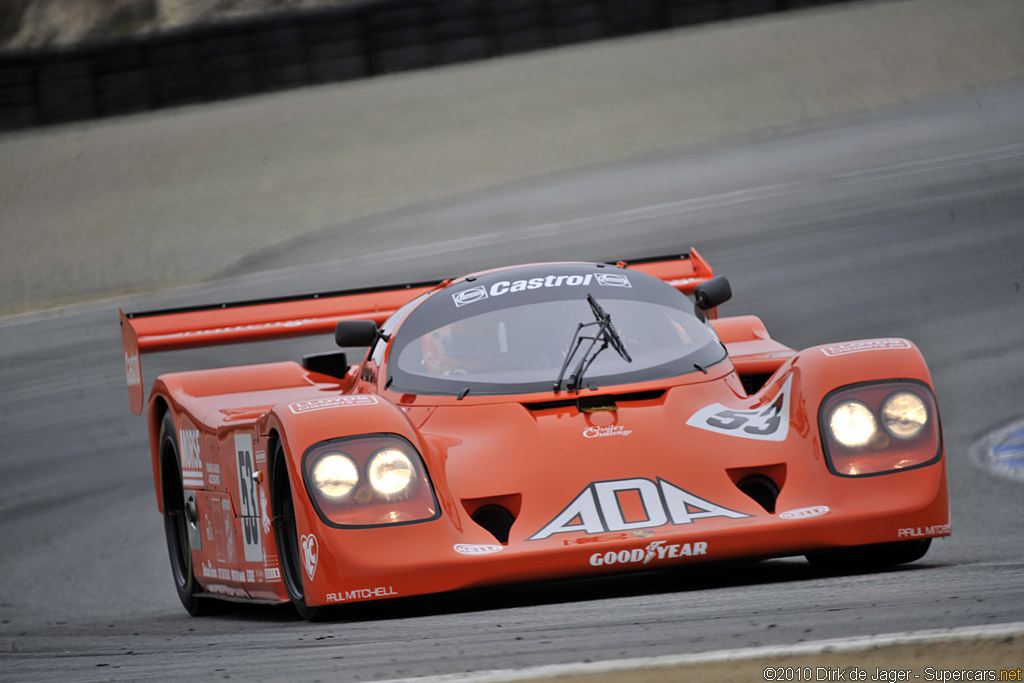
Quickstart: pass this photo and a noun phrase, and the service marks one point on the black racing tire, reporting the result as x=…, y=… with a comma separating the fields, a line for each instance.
x=868, y=557
x=286, y=536
x=176, y=526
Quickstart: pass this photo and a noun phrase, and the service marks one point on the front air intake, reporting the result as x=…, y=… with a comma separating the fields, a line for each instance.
x=761, y=489
x=497, y=520
x=496, y=514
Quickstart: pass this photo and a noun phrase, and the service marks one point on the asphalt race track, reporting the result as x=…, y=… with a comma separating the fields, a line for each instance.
x=902, y=223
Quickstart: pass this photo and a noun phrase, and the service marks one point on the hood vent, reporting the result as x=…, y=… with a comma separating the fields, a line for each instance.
x=599, y=403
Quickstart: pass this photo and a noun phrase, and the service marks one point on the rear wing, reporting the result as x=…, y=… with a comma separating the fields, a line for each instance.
x=310, y=314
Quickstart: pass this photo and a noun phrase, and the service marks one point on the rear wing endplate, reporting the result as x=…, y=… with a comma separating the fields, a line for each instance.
x=309, y=314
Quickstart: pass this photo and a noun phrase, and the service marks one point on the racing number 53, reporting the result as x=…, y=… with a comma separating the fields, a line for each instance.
x=768, y=423
x=761, y=423
x=249, y=502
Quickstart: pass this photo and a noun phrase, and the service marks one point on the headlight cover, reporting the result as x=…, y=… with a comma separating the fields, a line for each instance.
x=904, y=415
x=335, y=475
x=390, y=472
x=368, y=480
x=852, y=423
x=880, y=427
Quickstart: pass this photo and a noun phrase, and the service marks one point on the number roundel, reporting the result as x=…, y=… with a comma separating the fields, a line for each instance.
x=249, y=499
x=767, y=423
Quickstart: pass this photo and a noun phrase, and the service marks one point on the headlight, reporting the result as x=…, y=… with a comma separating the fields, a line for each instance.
x=368, y=480
x=335, y=475
x=879, y=427
x=390, y=471
x=904, y=415
x=852, y=424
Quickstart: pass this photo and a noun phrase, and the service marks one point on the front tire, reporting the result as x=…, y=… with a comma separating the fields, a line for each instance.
x=286, y=536
x=176, y=525
x=869, y=557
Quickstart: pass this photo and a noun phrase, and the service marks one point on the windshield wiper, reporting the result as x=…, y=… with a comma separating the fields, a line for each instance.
x=606, y=334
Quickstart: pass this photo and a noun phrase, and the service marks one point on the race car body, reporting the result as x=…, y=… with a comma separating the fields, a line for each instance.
x=534, y=422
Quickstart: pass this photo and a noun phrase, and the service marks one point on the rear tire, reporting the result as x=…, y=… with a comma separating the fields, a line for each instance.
x=176, y=526
x=868, y=557
x=286, y=536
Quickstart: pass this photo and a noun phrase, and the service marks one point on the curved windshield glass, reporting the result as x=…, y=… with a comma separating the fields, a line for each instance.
x=489, y=337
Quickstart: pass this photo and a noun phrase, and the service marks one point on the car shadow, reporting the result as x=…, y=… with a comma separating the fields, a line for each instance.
x=567, y=591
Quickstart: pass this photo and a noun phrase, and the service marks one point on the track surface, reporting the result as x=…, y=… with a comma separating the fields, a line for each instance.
x=904, y=223
x=130, y=201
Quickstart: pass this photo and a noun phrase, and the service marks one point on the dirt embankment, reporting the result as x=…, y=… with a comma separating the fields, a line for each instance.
x=26, y=24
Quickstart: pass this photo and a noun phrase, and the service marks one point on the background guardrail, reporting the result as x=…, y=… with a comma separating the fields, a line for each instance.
x=213, y=62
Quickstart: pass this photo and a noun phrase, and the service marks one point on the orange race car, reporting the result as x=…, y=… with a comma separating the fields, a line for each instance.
x=533, y=422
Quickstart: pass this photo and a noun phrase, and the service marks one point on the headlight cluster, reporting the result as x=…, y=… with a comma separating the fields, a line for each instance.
x=369, y=481
x=880, y=427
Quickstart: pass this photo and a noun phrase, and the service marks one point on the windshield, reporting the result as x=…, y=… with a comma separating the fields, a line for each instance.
x=499, y=335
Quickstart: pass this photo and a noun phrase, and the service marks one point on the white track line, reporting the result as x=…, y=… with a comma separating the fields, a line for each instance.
x=809, y=648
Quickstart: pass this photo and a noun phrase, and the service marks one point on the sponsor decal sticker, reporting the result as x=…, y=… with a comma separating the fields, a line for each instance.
x=273, y=574
x=924, y=531
x=132, y=369
x=612, y=280
x=598, y=509
x=804, y=513
x=264, y=517
x=770, y=423
x=503, y=287
x=362, y=594
x=864, y=345
x=655, y=550
x=287, y=324
x=468, y=296
x=191, y=461
x=601, y=432
x=301, y=407
x=686, y=281
x=606, y=538
x=213, y=473
x=471, y=549
x=310, y=554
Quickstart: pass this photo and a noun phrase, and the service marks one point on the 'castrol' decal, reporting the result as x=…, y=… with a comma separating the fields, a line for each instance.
x=503, y=287
x=769, y=423
x=599, y=508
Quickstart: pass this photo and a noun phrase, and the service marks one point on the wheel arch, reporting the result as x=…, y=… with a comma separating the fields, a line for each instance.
x=158, y=407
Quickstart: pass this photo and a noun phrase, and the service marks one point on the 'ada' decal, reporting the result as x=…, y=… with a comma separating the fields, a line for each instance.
x=598, y=508
x=770, y=423
x=310, y=554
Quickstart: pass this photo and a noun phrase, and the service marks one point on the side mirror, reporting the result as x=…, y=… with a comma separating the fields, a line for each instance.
x=712, y=293
x=360, y=333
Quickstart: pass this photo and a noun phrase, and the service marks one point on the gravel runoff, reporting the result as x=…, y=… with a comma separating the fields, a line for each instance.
x=969, y=659
x=177, y=196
